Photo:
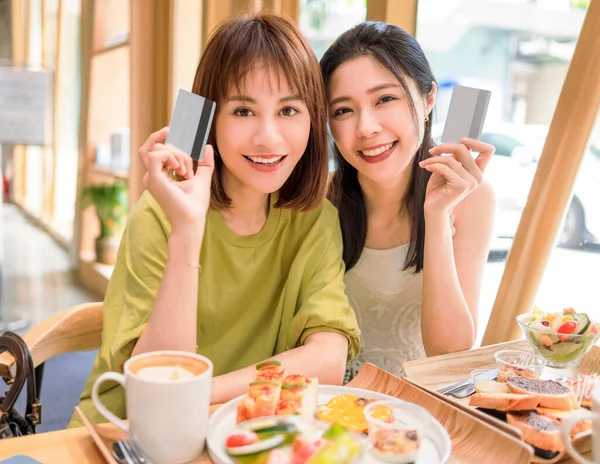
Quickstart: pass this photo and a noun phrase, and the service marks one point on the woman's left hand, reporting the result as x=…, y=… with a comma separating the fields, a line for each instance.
x=454, y=176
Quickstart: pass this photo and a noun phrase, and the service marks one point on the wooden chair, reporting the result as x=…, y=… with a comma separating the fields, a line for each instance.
x=78, y=328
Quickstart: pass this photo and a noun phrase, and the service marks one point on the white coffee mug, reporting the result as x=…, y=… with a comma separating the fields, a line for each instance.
x=571, y=421
x=167, y=395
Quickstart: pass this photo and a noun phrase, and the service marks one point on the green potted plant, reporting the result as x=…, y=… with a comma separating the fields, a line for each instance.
x=111, y=202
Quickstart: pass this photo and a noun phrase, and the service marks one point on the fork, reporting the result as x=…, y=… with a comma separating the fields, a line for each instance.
x=465, y=385
x=128, y=451
x=524, y=359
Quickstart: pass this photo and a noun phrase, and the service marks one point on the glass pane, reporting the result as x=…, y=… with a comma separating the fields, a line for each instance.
x=67, y=147
x=571, y=277
x=34, y=168
x=520, y=50
x=322, y=21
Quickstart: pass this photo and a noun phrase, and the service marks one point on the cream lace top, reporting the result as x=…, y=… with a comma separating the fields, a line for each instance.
x=387, y=302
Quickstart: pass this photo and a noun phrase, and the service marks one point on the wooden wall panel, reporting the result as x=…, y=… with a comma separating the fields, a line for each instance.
x=400, y=12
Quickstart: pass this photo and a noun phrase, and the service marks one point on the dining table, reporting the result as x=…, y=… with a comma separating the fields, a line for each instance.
x=83, y=445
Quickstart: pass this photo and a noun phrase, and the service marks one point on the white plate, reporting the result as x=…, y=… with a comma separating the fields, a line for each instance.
x=435, y=446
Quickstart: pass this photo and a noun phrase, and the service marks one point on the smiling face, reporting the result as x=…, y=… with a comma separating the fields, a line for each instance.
x=262, y=131
x=372, y=121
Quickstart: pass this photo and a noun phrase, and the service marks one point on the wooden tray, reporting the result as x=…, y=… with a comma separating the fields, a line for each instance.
x=434, y=373
x=473, y=440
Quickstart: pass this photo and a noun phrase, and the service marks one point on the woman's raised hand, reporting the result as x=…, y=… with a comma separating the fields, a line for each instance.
x=185, y=203
x=455, y=176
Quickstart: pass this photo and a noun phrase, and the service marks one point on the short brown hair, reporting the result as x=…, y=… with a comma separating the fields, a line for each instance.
x=233, y=50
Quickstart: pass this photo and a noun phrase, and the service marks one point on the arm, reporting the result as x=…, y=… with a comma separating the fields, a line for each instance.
x=172, y=324
x=329, y=348
x=452, y=273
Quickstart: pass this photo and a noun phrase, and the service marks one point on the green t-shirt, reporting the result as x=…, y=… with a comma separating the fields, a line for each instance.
x=258, y=295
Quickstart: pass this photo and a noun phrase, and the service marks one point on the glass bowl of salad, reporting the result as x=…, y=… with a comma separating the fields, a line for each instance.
x=561, y=338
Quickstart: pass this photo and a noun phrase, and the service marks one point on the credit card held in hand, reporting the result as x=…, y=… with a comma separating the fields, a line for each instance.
x=190, y=123
x=466, y=114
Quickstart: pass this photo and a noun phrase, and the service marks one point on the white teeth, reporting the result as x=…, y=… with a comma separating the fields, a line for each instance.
x=259, y=160
x=377, y=151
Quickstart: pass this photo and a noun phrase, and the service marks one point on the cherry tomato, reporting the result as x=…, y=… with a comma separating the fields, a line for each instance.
x=241, y=438
x=566, y=329
x=594, y=328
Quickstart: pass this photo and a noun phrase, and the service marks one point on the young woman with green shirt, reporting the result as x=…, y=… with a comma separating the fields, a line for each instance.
x=244, y=263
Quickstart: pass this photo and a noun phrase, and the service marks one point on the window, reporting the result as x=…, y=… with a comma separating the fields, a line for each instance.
x=505, y=47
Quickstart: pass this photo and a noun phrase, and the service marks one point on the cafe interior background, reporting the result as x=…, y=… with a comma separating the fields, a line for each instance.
x=82, y=83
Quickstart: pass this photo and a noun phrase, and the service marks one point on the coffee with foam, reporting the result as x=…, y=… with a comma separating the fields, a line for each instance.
x=167, y=368
x=164, y=373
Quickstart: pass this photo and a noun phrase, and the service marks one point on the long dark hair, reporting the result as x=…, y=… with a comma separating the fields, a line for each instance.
x=399, y=52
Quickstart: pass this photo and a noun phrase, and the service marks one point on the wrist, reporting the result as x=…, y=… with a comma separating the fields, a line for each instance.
x=435, y=213
x=189, y=231
x=185, y=243
x=215, y=398
x=437, y=220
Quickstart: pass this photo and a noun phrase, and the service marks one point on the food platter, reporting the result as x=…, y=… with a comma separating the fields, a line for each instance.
x=435, y=445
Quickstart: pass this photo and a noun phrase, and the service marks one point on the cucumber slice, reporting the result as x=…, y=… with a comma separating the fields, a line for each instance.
x=583, y=322
x=269, y=427
x=267, y=363
x=262, y=382
x=292, y=387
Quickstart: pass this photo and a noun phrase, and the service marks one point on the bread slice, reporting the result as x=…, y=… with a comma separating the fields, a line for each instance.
x=263, y=394
x=299, y=395
x=260, y=401
x=270, y=371
x=554, y=395
x=541, y=432
x=504, y=401
x=560, y=416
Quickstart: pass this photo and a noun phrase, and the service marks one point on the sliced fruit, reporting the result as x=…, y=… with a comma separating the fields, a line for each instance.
x=262, y=445
x=305, y=449
x=241, y=438
x=569, y=311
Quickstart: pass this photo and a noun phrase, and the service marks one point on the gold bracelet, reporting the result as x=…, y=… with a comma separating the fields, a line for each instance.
x=191, y=263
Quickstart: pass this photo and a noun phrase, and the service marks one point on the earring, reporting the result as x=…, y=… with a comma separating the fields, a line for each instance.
x=427, y=118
